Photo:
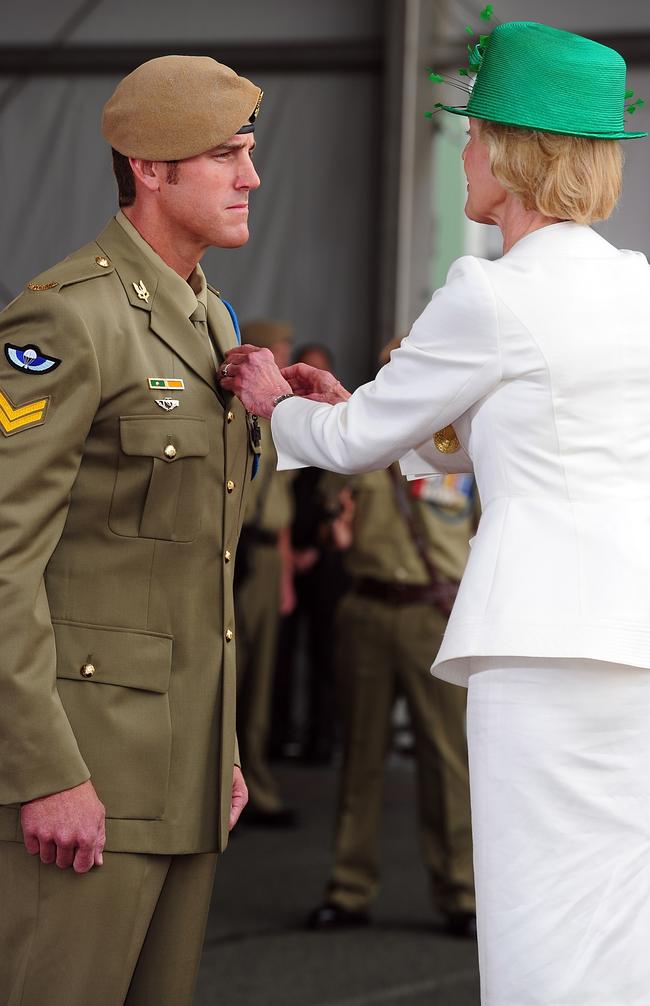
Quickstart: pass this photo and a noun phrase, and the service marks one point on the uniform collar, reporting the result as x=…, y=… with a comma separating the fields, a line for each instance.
x=186, y=293
x=153, y=288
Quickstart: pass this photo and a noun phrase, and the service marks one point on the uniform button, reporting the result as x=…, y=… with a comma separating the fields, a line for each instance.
x=230, y=416
x=230, y=635
x=230, y=485
x=102, y=261
x=170, y=452
x=227, y=555
x=401, y=573
x=87, y=670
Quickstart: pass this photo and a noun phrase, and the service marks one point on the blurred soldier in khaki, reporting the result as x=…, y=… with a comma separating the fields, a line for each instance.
x=406, y=545
x=263, y=592
x=124, y=464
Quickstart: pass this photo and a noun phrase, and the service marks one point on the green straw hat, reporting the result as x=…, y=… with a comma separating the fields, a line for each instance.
x=543, y=78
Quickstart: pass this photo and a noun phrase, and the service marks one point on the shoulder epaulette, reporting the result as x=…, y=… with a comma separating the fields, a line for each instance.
x=87, y=263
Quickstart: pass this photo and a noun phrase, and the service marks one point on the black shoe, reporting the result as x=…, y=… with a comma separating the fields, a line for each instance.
x=330, y=916
x=285, y=817
x=461, y=924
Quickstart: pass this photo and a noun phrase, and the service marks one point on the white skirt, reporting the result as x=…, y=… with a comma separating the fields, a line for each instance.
x=559, y=756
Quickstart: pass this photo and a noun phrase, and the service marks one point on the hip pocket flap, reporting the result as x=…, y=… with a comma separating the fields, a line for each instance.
x=113, y=656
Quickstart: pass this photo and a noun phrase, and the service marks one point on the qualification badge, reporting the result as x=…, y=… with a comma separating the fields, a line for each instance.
x=30, y=359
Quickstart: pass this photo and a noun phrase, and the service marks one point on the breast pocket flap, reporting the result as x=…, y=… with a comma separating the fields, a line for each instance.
x=169, y=439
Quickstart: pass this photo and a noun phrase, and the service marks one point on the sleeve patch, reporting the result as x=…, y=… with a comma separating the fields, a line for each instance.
x=31, y=359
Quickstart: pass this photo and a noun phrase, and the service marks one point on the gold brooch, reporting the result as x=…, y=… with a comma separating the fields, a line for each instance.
x=446, y=440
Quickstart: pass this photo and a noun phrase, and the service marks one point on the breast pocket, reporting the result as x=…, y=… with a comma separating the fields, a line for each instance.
x=157, y=491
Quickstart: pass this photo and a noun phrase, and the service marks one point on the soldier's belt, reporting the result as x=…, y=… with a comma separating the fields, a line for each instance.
x=399, y=593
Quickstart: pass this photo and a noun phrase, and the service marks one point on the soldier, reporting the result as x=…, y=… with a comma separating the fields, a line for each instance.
x=125, y=465
x=405, y=545
x=264, y=591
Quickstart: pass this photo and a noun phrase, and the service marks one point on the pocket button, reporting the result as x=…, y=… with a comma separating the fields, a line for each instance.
x=170, y=452
x=87, y=670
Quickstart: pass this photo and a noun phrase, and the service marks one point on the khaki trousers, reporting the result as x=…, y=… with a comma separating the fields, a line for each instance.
x=130, y=932
x=385, y=650
x=257, y=603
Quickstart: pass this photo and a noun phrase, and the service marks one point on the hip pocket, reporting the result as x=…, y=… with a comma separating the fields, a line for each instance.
x=114, y=684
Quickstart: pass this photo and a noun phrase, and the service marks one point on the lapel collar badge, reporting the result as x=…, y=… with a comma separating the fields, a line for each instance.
x=167, y=403
x=142, y=292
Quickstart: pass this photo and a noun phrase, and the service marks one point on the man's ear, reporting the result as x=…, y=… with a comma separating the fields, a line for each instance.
x=146, y=172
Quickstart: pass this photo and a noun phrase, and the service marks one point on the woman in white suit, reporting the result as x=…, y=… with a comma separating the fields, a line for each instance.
x=534, y=370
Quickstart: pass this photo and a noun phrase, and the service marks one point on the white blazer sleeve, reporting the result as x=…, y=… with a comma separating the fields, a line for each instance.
x=449, y=361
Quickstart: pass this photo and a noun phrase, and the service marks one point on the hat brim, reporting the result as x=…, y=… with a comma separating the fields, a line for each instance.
x=462, y=110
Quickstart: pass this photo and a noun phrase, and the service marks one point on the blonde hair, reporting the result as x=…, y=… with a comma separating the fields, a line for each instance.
x=569, y=177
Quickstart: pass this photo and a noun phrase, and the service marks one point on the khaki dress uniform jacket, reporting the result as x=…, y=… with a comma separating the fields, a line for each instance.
x=117, y=545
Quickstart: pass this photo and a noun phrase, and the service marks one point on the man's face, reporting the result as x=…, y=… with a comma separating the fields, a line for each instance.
x=209, y=201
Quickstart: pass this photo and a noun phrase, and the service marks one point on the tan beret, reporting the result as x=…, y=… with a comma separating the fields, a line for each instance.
x=175, y=107
x=266, y=334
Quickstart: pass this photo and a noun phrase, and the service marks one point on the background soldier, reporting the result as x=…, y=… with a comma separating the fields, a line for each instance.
x=124, y=468
x=405, y=554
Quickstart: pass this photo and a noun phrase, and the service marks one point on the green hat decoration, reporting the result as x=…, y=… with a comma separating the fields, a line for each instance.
x=537, y=77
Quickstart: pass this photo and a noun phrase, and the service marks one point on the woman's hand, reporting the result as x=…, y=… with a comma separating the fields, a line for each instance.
x=317, y=385
x=251, y=374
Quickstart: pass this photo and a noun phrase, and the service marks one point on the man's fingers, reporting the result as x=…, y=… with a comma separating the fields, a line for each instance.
x=84, y=859
x=236, y=807
x=48, y=852
x=32, y=845
x=64, y=856
x=99, y=848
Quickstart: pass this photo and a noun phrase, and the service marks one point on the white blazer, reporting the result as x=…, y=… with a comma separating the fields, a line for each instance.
x=541, y=360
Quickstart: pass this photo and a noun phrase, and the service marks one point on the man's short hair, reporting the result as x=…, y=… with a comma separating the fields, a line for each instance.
x=126, y=182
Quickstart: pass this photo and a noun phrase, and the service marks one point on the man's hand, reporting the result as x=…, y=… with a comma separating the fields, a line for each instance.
x=239, y=797
x=66, y=828
x=315, y=384
x=252, y=375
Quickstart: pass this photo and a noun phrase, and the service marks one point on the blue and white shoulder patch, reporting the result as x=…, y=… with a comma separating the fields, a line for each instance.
x=30, y=358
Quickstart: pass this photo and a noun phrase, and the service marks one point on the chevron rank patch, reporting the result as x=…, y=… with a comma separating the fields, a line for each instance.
x=30, y=358
x=14, y=418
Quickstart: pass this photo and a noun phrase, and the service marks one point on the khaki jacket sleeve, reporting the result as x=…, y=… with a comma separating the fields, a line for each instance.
x=44, y=420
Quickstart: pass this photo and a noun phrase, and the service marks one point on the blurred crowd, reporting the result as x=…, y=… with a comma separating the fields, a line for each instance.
x=343, y=586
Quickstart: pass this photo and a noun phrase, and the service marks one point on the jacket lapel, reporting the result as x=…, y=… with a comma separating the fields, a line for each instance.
x=146, y=290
